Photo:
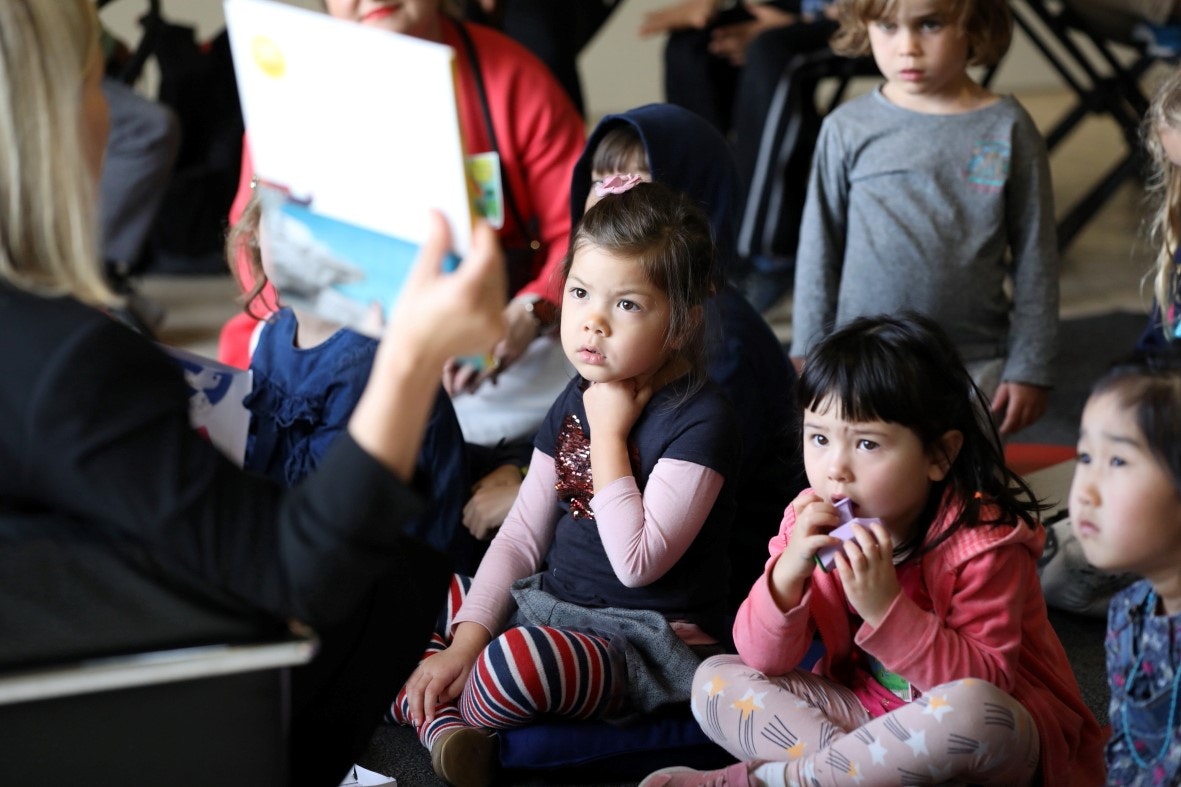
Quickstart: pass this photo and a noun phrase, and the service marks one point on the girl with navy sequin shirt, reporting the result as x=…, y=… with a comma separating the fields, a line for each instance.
x=1125, y=508
x=608, y=580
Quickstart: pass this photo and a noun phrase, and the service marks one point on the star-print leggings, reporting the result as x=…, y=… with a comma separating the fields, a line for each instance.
x=526, y=671
x=968, y=730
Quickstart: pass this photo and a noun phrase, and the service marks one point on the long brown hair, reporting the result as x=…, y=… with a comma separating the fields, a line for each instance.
x=671, y=239
x=242, y=242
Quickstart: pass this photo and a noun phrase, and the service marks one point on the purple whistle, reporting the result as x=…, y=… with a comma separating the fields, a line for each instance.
x=824, y=557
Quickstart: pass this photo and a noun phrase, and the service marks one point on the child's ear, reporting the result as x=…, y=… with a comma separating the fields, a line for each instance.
x=943, y=454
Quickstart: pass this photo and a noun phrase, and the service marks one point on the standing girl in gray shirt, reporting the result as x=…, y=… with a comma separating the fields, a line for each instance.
x=932, y=193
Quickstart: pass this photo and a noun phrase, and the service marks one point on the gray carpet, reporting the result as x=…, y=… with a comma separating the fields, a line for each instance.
x=1088, y=346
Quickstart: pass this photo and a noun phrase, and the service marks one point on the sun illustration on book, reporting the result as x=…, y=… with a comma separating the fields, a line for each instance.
x=268, y=56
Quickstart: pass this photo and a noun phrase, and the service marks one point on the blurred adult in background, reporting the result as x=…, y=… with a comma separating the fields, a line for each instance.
x=556, y=32
x=141, y=149
x=725, y=60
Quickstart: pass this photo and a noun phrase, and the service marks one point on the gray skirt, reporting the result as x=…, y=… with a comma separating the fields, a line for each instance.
x=659, y=664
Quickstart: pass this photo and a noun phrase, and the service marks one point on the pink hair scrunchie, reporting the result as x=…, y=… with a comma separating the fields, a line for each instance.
x=616, y=184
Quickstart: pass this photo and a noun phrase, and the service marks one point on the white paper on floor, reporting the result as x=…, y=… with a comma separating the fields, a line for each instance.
x=362, y=777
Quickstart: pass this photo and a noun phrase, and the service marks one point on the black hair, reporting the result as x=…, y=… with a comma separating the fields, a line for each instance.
x=1150, y=387
x=905, y=370
x=621, y=149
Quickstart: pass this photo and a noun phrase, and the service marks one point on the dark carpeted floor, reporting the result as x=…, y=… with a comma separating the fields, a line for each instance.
x=1088, y=345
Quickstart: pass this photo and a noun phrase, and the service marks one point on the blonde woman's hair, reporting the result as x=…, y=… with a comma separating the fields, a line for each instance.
x=1164, y=189
x=988, y=25
x=48, y=197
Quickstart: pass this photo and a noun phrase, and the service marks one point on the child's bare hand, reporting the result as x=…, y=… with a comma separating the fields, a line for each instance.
x=866, y=567
x=612, y=408
x=459, y=377
x=492, y=497
x=437, y=680
x=815, y=517
x=679, y=16
x=520, y=331
x=1021, y=404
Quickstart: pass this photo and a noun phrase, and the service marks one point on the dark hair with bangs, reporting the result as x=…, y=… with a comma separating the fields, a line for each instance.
x=988, y=24
x=905, y=370
x=671, y=239
x=621, y=150
x=1150, y=387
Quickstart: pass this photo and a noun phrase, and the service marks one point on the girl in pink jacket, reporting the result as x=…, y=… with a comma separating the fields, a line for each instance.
x=939, y=662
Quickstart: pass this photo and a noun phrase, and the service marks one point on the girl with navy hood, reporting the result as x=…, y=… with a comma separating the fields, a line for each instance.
x=671, y=145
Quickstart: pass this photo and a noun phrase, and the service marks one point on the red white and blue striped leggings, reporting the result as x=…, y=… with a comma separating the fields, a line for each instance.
x=525, y=672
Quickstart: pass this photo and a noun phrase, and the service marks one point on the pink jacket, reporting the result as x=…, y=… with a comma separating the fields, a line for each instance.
x=988, y=621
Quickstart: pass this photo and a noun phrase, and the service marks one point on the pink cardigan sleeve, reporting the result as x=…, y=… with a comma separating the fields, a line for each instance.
x=768, y=638
x=977, y=635
x=645, y=535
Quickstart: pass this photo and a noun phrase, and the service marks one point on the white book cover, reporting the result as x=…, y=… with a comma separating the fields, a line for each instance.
x=357, y=131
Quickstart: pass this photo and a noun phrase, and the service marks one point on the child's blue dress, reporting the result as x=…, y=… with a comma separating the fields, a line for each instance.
x=301, y=401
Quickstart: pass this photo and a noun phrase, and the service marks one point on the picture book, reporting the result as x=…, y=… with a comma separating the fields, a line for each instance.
x=354, y=134
x=216, y=392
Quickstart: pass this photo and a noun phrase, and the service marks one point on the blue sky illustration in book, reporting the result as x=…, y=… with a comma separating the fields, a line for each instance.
x=330, y=267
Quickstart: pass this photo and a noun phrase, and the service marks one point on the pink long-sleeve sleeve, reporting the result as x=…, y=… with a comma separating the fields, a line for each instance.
x=518, y=549
x=768, y=638
x=645, y=535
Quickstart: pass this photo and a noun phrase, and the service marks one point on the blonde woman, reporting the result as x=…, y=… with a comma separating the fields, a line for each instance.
x=122, y=529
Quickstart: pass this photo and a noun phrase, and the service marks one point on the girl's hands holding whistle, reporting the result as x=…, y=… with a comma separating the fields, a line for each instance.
x=815, y=517
x=865, y=564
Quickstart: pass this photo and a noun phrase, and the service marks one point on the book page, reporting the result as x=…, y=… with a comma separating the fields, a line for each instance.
x=216, y=392
x=359, y=129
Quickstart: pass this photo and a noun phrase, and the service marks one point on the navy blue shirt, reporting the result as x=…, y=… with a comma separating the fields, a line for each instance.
x=700, y=430
x=745, y=358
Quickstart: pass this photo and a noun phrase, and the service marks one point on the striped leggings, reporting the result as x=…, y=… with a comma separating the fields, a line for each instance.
x=526, y=671
x=816, y=732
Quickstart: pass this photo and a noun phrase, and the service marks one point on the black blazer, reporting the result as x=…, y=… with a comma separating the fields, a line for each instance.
x=121, y=529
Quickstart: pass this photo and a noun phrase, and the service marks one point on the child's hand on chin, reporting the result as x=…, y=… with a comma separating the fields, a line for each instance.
x=866, y=568
x=613, y=407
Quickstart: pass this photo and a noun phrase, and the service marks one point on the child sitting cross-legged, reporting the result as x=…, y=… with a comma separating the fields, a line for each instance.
x=590, y=602
x=939, y=661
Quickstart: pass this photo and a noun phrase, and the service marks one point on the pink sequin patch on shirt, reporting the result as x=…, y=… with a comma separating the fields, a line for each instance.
x=574, y=471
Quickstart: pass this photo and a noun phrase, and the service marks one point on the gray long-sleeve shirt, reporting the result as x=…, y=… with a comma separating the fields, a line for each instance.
x=907, y=210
